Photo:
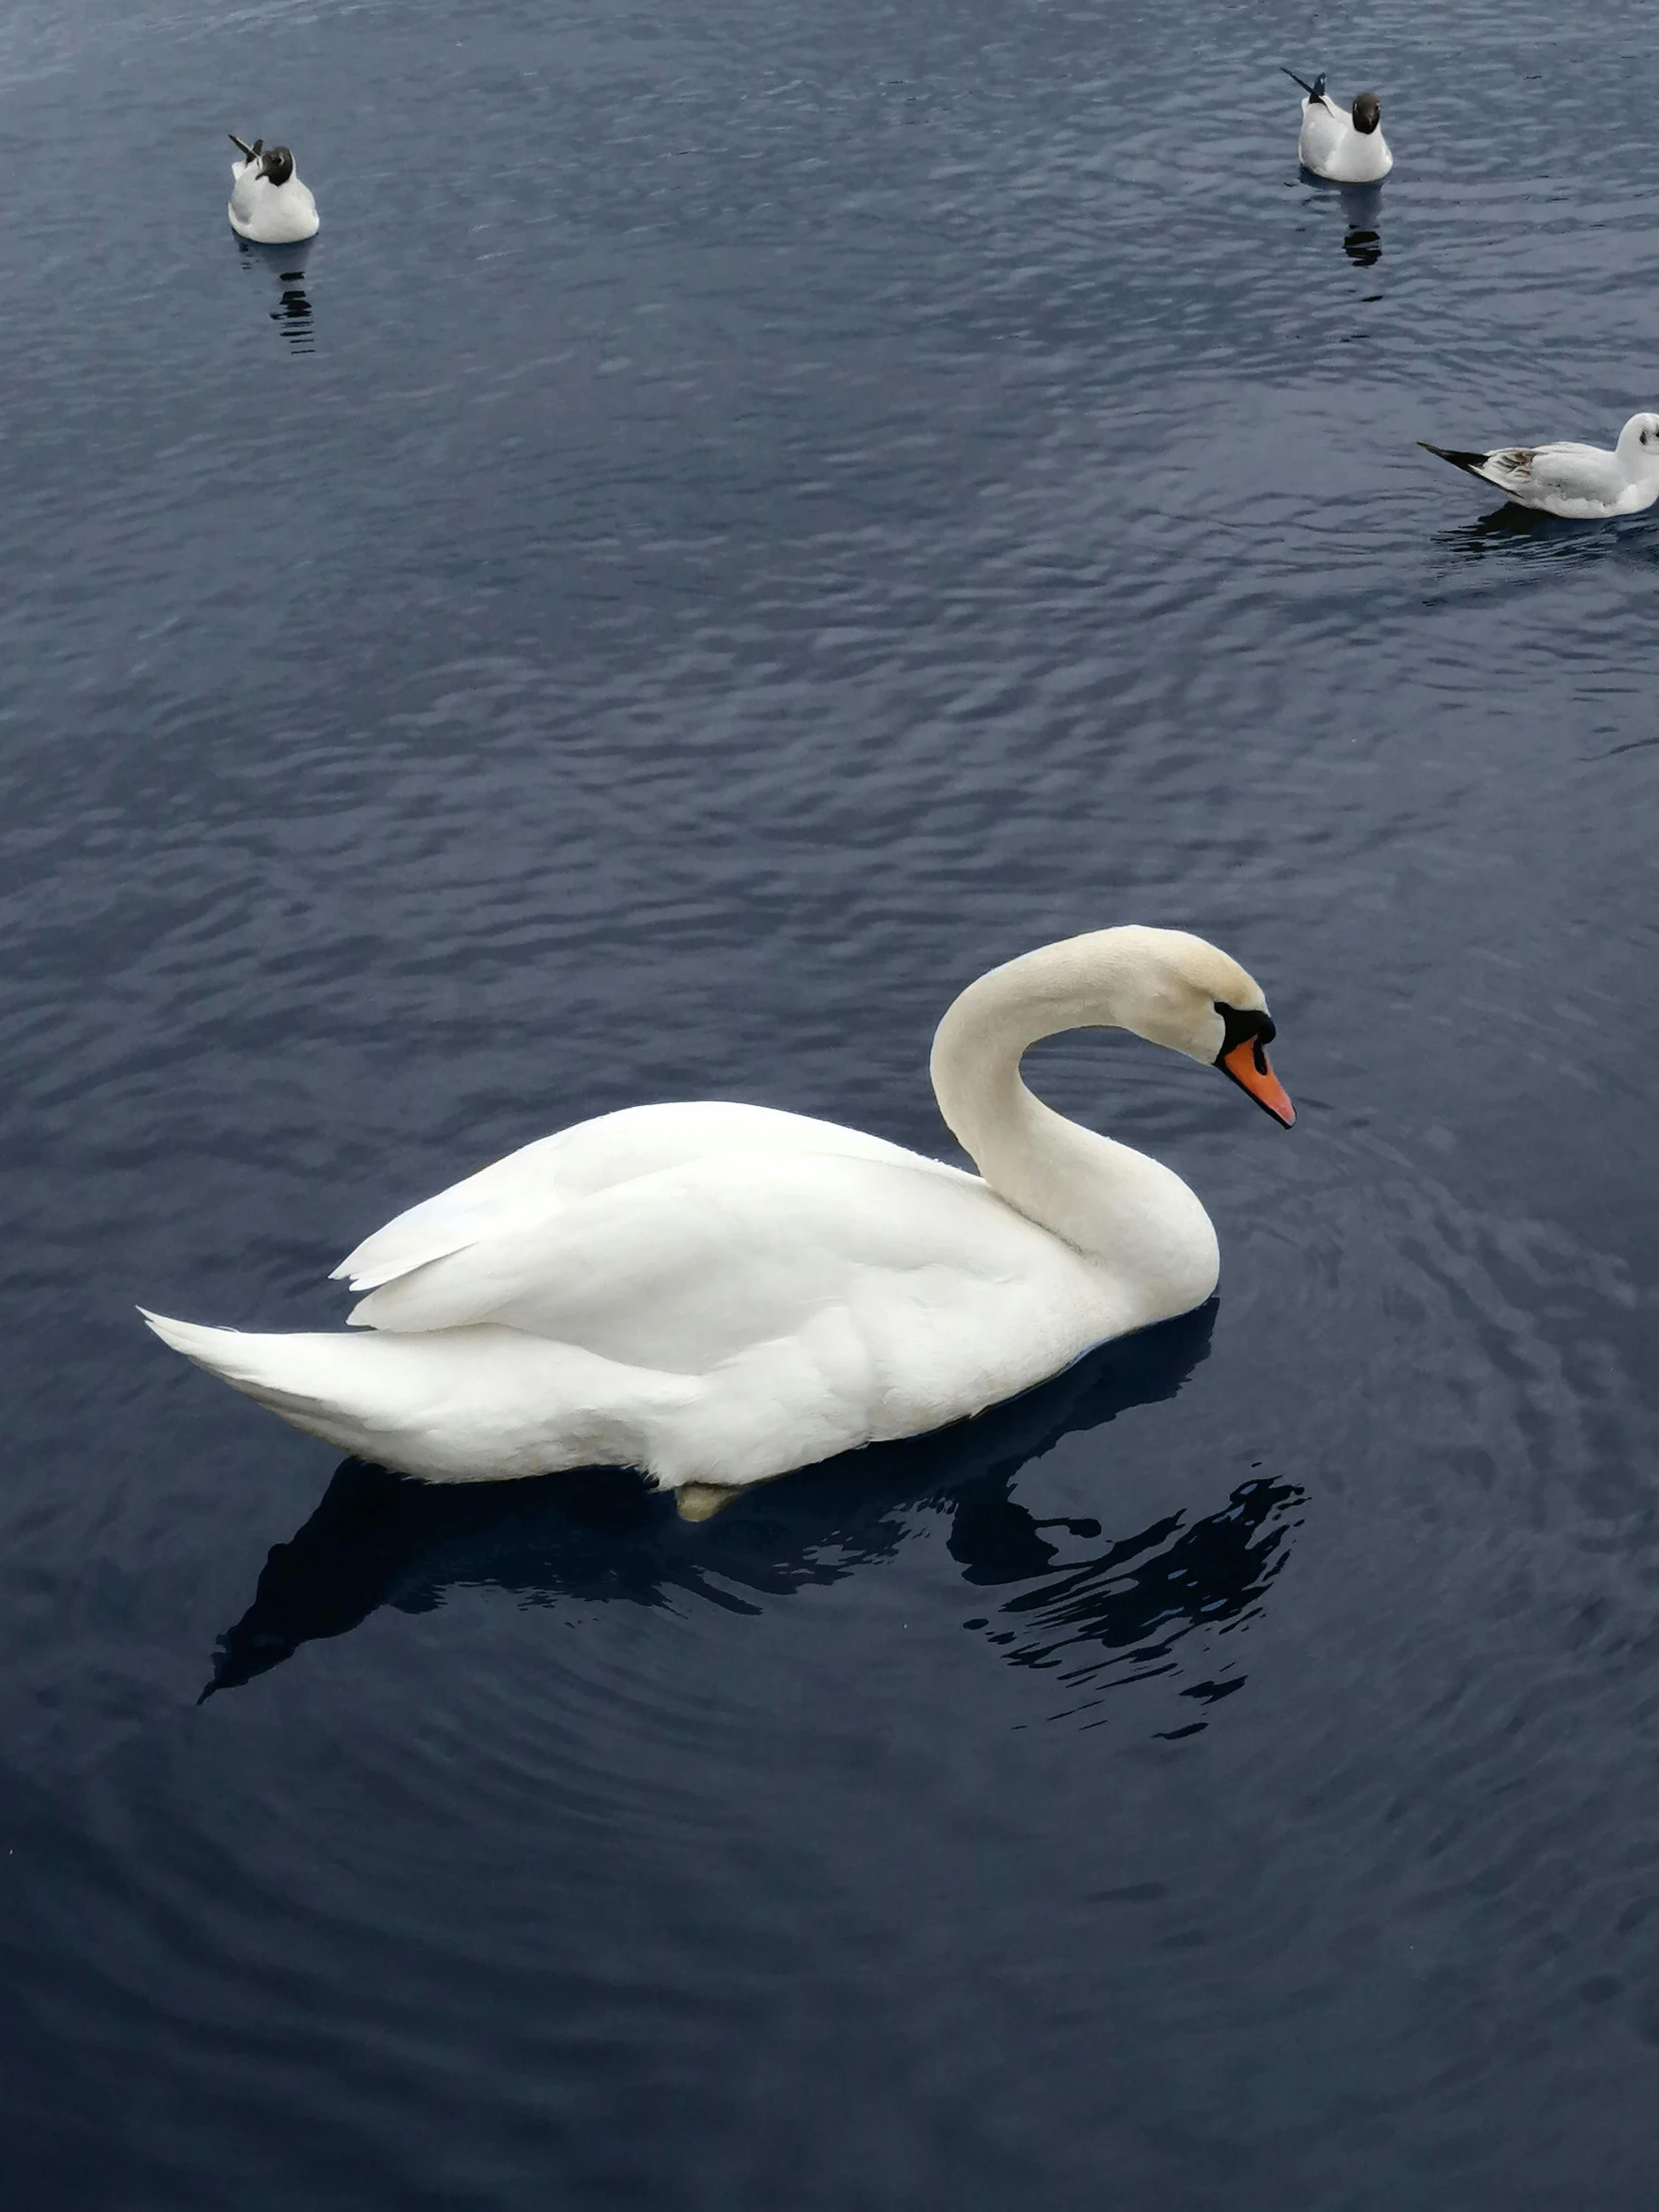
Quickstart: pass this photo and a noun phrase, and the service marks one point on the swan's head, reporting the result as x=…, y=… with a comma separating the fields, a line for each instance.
x=1177, y=990
x=1367, y=114
x=1639, y=443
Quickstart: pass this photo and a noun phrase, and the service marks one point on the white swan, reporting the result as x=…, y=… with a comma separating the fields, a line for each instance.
x=269, y=203
x=1584, y=482
x=716, y=1294
x=1347, y=147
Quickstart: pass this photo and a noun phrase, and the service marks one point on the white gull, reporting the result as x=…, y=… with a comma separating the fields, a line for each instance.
x=1583, y=482
x=269, y=203
x=1346, y=145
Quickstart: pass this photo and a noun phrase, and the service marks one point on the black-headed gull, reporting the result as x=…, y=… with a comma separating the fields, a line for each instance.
x=1583, y=482
x=1344, y=146
x=269, y=203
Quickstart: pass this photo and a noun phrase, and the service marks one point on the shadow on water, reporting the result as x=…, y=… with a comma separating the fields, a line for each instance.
x=1523, y=534
x=601, y=1534
x=286, y=266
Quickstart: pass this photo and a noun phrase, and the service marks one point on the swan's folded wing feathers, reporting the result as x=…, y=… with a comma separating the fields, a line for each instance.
x=684, y=1269
x=452, y=1220
x=578, y=1162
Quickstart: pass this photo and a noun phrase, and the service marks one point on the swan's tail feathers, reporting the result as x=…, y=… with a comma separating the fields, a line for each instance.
x=1473, y=463
x=451, y=1404
x=274, y=1370
x=353, y=1391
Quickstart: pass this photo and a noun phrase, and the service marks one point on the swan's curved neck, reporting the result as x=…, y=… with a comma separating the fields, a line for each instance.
x=1105, y=1199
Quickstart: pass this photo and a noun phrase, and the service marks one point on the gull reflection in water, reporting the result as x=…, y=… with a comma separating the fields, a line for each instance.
x=1526, y=534
x=1113, y=1611
x=1361, y=207
x=284, y=268
x=1362, y=219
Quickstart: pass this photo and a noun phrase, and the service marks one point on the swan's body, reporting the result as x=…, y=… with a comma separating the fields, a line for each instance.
x=1587, y=483
x=716, y=1294
x=1344, y=145
x=269, y=203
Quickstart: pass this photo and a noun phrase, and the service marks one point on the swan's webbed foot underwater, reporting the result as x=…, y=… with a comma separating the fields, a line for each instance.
x=703, y=1501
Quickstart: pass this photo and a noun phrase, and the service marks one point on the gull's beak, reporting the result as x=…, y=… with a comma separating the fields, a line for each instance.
x=1246, y=1064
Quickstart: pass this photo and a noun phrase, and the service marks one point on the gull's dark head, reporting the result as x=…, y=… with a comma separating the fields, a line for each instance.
x=276, y=165
x=1367, y=113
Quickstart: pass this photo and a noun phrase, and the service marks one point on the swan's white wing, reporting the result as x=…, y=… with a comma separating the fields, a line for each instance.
x=690, y=1266
x=590, y=1157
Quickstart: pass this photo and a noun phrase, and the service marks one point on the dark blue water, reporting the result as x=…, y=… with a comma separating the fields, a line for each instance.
x=747, y=515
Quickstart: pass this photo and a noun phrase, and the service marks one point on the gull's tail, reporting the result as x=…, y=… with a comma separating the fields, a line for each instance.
x=1472, y=463
x=1315, y=91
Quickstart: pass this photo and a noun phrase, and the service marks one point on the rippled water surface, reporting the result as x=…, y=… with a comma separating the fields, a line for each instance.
x=747, y=514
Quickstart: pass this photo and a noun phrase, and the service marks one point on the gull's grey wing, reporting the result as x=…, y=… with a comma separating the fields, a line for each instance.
x=1509, y=468
x=1584, y=474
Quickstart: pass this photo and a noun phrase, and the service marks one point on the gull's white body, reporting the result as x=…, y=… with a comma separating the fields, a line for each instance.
x=1332, y=147
x=1585, y=483
x=270, y=215
x=716, y=1294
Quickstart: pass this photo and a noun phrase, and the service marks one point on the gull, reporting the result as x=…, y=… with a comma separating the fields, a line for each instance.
x=1348, y=148
x=1583, y=482
x=269, y=203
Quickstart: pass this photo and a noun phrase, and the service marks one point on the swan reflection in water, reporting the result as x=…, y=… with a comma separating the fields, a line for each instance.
x=286, y=266
x=1107, y=1613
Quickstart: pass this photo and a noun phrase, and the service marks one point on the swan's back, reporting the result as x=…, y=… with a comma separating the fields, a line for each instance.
x=594, y=1156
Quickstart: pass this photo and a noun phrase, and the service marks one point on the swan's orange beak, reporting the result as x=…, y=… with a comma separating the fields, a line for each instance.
x=1247, y=1063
